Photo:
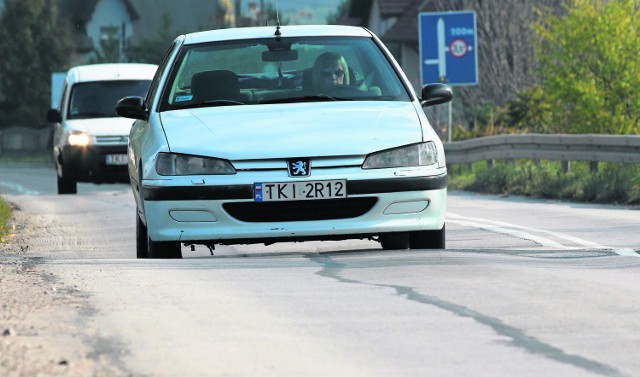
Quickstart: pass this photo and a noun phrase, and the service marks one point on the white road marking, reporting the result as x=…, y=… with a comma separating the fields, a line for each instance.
x=21, y=190
x=527, y=233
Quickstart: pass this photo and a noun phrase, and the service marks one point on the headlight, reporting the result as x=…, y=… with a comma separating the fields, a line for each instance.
x=423, y=154
x=182, y=164
x=79, y=139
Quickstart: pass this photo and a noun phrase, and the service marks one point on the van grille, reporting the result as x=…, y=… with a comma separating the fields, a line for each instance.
x=111, y=140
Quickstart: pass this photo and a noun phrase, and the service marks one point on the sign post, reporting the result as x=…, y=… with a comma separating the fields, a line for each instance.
x=448, y=49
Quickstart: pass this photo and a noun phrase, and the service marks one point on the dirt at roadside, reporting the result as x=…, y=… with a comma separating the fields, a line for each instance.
x=45, y=325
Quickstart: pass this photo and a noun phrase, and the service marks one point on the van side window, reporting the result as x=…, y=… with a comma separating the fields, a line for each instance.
x=63, y=101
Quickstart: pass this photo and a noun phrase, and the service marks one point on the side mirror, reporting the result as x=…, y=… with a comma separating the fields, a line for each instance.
x=436, y=94
x=131, y=107
x=54, y=116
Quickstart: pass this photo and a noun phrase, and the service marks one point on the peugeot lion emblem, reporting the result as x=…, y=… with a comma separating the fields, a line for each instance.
x=299, y=167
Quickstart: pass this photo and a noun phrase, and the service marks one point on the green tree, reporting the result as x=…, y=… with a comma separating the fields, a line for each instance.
x=342, y=10
x=531, y=111
x=590, y=66
x=33, y=44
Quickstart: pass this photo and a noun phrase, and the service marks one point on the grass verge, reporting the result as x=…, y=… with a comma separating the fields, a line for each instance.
x=5, y=215
x=40, y=158
x=611, y=183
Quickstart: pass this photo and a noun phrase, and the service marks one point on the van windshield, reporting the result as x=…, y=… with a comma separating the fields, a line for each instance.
x=98, y=99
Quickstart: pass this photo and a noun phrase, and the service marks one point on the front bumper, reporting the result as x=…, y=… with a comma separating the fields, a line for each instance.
x=227, y=214
x=89, y=164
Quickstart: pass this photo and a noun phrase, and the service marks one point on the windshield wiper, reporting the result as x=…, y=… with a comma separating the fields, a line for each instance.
x=218, y=102
x=314, y=98
x=92, y=115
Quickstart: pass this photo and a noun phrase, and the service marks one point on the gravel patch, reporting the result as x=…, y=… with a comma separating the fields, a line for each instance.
x=45, y=327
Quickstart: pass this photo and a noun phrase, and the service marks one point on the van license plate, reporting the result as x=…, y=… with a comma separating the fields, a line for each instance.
x=116, y=159
x=307, y=190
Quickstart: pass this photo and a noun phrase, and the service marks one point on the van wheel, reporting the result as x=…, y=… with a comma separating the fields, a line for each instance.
x=141, y=239
x=66, y=183
x=164, y=249
x=428, y=239
x=394, y=241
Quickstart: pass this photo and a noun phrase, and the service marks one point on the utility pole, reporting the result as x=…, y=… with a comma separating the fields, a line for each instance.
x=237, y=11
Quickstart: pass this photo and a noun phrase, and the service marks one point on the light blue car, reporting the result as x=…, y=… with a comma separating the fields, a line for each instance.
x=261, y=135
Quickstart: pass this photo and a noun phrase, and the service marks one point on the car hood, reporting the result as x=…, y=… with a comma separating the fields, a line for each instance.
x=102, y=126
x=292, y=130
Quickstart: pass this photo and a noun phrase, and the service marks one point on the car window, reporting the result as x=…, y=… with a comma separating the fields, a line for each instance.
x=98, y=99
x=265, y=71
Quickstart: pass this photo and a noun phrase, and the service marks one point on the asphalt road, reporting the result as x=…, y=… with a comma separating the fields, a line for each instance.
x=525, y=288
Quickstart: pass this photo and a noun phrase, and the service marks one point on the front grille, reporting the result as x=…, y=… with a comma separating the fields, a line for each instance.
x=112, y=140
x=304, y=210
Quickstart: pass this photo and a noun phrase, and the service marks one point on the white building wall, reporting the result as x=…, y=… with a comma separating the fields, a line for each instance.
x=109, y=13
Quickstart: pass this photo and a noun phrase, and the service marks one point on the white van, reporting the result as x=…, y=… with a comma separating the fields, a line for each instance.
x=89, y=139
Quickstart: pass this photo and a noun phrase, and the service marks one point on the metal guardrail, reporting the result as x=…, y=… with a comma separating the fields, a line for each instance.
x=592, y=148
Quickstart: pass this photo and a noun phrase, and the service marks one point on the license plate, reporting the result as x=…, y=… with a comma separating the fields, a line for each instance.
x=116, y=159
x=307, y=190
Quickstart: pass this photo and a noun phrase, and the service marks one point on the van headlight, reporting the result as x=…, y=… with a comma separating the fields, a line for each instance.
x=79, y=139
x=423, y=154
x=183, y=164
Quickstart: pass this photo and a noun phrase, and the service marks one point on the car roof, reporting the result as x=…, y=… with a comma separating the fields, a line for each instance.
x=269, y=32
x=111, y=71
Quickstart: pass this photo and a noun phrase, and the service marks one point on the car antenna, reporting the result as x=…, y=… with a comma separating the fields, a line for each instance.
x=278, y=34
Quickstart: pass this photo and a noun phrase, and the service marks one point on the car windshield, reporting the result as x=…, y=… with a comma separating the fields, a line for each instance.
x=98, y=99
x=263, y=71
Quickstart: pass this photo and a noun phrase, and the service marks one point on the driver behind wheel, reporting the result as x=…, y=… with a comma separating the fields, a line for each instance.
x=330, y=69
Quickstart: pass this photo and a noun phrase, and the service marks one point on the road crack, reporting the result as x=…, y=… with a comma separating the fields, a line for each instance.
x=332, y=269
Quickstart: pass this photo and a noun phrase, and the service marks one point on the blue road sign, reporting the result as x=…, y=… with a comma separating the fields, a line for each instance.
x=448, y=48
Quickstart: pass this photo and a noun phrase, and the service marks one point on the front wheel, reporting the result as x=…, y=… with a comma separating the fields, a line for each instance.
x=66, y=183
x=141, y=239
x=428, y=239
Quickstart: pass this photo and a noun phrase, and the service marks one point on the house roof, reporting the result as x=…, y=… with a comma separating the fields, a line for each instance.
x=358, y=13
x=360, y=10
x=81, y=11
x=394, y=8
x=405, y=29
x=184, y=16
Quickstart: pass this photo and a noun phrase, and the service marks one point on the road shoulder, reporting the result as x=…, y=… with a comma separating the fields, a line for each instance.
x=44, y=324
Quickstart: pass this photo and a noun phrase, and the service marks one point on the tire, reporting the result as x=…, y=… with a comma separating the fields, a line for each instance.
x=395, y=241
x=428, y=239
x=164, y=249
x=141, y=239
x=66, y=183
